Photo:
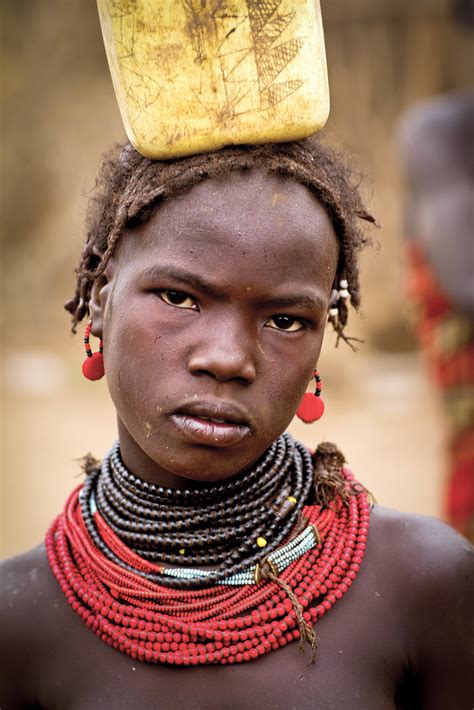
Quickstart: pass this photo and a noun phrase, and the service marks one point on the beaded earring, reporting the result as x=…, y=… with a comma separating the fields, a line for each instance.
x=93, y=365
x=337, y=295
x=311, y=406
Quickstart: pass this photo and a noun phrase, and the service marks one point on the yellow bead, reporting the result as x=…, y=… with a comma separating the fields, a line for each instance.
x=182, y=551
x=292, y=500
x=261, y=542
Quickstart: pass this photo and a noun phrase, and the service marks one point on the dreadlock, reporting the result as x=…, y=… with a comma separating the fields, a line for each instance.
x=130, y=187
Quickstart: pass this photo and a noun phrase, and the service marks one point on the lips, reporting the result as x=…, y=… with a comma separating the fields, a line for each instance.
x=217, y=424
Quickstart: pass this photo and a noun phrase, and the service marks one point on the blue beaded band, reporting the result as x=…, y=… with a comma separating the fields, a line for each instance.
x=282, y=558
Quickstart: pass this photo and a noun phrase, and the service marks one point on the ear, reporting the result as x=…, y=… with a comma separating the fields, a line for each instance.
x=98, y=301
x=96, y=306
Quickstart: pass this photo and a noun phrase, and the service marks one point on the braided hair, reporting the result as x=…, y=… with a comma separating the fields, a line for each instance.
x=130, y=187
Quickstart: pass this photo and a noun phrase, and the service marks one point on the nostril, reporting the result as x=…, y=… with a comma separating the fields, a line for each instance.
x=221, y=376
x=225, y=360
x=202, y=372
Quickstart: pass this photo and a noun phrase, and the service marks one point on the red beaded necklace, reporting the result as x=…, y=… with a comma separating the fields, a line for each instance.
x=162, y=625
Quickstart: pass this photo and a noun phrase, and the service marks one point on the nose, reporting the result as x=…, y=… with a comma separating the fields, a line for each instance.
x=226, y=351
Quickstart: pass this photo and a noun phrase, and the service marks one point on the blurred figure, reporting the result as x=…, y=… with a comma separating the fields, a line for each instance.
x=437, y=151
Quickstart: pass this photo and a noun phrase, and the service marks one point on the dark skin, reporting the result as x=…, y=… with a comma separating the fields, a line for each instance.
x=231, y=271
x=399, y=638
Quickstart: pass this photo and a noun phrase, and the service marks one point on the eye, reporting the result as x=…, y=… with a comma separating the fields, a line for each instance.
x=286, y=323
x=177, y=298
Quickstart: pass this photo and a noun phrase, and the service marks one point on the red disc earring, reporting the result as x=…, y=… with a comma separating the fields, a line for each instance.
x=311, y=406
x=93, y=365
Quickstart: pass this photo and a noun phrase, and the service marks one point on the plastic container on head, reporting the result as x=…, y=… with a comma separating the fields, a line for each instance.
x=195, y=75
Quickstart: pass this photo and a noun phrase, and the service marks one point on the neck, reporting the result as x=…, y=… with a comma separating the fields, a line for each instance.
x=142, y=466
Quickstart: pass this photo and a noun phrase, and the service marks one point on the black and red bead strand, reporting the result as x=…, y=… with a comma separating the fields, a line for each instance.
x=322, y=575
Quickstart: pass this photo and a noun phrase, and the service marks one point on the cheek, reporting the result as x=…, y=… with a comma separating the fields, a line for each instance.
x=289, y=392
x=132, y=333
x=290, y=384
x=135, y=356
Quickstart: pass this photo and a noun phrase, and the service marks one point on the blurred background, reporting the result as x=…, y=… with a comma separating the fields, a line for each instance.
x=59, y=115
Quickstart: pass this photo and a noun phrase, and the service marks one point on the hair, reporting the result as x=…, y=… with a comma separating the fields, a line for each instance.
x=130, y=187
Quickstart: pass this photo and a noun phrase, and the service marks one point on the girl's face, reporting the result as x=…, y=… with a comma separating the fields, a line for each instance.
x=215, y=309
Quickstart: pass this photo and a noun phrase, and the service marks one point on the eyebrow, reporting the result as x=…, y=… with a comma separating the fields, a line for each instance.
x=188, y=278
x=302, y=299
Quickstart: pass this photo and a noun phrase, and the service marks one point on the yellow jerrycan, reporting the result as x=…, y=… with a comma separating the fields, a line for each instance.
x=195, y=75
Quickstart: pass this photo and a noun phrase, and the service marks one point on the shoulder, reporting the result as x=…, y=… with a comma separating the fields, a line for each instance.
x=26, y=585
x=29, y=595
x=422, y=555
x=28, y=598
x=430, y=570
x=419, y=544
x=425, y=530
x=23, y=579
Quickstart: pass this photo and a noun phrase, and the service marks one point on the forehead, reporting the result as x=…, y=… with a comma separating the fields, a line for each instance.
x=252, y=216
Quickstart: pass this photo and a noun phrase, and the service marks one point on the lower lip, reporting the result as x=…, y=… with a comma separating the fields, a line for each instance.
x=207, y=433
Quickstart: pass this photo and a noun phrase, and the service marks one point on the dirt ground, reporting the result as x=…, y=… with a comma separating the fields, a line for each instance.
x=379, y=410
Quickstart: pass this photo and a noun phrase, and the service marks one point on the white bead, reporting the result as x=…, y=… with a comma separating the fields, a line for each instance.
x=344, y=293
x=284, y=556
x=333, y=312
x=343, y=283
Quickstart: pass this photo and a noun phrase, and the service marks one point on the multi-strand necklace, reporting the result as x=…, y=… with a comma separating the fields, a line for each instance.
x=220, y=574
x=228, y=526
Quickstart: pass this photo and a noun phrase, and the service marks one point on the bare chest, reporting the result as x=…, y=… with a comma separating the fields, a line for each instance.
x=358, y=666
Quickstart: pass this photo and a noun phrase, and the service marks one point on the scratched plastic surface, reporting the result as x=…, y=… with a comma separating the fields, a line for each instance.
x=196, y=75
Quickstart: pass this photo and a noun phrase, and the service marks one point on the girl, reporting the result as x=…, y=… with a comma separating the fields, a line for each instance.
x=209, y=545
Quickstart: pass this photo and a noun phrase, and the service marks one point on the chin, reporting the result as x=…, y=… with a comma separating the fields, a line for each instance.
x=211, y=465
x=169, y=452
